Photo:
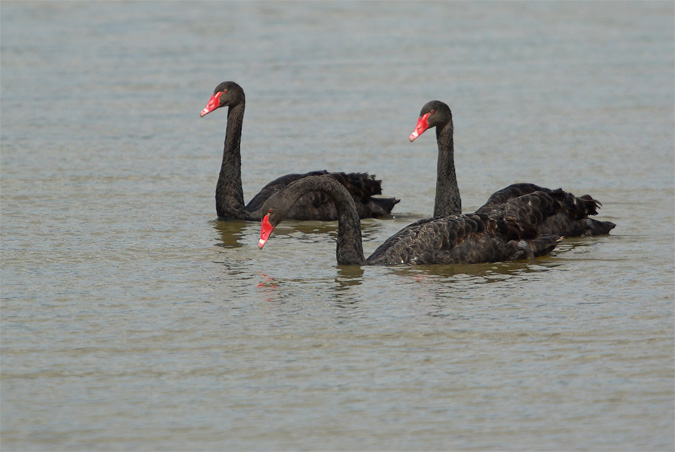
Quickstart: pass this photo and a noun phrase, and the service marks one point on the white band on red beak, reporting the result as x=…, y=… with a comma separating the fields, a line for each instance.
x=422, y=125
x=213, y=103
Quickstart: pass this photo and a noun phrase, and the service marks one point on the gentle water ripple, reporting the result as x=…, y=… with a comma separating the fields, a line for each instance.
x=132, y=319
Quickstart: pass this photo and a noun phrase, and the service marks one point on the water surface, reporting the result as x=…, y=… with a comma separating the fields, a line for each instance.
x=132, y=319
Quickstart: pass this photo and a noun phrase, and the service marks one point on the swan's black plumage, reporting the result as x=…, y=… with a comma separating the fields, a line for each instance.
x=313, y=206
x=571, y=220
x=506, y=233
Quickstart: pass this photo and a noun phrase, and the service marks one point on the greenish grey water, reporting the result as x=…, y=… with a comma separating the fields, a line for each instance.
x=132, y=319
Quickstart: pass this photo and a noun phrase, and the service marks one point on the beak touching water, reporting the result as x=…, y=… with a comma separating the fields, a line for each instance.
x=266, y=229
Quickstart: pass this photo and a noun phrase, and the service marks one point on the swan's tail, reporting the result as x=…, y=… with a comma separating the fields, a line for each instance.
x=540, y=246
x=363, y=187
x=596, y=227
x=381, y=207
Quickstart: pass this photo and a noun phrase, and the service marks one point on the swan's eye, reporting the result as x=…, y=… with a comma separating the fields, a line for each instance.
x=432, y=112
x=225, y=91
x=270, y=211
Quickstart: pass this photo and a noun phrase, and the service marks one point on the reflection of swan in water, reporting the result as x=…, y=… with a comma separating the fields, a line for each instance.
x=348, y=276
x=230, y=233
x=476, y=274
x=456, y=293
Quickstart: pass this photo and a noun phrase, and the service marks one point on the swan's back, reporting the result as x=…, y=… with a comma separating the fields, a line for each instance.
x=444, y=240
x=319, y=206
x=572, y=219
x=505, y=232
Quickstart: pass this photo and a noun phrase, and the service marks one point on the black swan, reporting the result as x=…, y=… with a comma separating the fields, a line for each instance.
x=314, y=206
x=571, y=221
x=506, y=233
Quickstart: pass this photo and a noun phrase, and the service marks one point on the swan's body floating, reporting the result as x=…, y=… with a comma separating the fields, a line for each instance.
x=314, y=206
x=506, y=233
x=571, y=221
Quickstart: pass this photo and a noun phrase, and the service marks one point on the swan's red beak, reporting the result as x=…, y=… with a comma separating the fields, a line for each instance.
x=266, y=229
x=214, y=103
x=422, y=125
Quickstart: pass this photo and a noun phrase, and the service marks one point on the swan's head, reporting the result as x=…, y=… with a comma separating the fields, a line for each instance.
x=277, y=206
x=274, y=209
x=434, y=113
x=225, y=94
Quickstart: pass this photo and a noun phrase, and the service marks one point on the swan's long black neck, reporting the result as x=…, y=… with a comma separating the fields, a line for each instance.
x=229, y=191
x=349, y=250
x=448, y=200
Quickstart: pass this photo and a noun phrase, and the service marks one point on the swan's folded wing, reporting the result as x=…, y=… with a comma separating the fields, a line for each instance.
x=455, y=239
x=319, y=206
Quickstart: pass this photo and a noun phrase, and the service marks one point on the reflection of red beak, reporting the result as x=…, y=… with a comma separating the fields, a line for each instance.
x=266, y=229
x=422, y=125
x=214, y=103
